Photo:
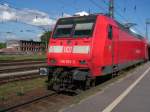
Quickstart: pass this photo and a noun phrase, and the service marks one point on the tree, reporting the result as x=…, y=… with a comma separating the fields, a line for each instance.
x=45, y=38
x=2, y=45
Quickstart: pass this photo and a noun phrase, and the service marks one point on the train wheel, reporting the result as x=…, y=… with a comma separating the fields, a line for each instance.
x=56, y=87
x=93, y=82
x=89, y=83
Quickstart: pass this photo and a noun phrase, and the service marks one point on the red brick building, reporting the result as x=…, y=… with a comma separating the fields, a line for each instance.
x=25, y=47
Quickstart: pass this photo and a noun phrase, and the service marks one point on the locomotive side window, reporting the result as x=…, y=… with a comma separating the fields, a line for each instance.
x=110, y=32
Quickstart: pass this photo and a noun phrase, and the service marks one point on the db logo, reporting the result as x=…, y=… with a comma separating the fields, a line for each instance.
x=68, y=49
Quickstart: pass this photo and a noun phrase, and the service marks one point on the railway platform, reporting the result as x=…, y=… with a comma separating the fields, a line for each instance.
x=130, y=94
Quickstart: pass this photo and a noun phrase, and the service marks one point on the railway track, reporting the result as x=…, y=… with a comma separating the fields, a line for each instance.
x=17, y=77
x=20, y=63
x=16, y=71
x=19, y=70
x=50, y=98
x=13, y=107
x=30, y=66
x=26, y=60
x=51, y=101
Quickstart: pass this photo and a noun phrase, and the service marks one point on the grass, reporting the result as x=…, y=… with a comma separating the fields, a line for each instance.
x=20, y=88
x=22, y=57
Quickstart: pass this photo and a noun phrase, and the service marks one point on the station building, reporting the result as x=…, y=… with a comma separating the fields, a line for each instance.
x=25, y=46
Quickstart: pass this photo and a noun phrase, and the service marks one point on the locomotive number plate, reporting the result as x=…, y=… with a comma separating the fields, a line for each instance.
x=67, y=61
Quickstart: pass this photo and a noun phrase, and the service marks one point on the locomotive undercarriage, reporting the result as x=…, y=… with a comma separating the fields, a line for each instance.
x=69, y=79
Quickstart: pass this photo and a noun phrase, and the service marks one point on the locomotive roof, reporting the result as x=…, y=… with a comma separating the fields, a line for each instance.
x=89, y=16
x=122, y=26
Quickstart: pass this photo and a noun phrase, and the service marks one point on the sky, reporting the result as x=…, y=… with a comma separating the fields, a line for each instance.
x=28, y=19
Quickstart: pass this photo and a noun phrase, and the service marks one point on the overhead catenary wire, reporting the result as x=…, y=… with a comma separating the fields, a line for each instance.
x=120, y=15
x=116, y=12
x=64, y=4
x=98, y=6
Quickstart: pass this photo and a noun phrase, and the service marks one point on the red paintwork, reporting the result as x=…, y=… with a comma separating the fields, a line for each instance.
x=127, y=48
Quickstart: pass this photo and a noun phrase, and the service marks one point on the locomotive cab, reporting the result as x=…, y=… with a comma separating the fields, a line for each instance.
x=70, y=44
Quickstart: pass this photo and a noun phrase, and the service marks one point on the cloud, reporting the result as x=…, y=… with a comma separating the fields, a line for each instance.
x=9, y=37
x=6, y=16
x=28, y=16
x=36, y=22
x=43, y=21
x=66, y=15
x=39, y=37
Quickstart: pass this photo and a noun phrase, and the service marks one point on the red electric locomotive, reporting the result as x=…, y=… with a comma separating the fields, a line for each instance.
x=85, y=47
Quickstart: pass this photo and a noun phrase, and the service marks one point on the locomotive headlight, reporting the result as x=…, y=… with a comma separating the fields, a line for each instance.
x=52, y=61
x=83, y=62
